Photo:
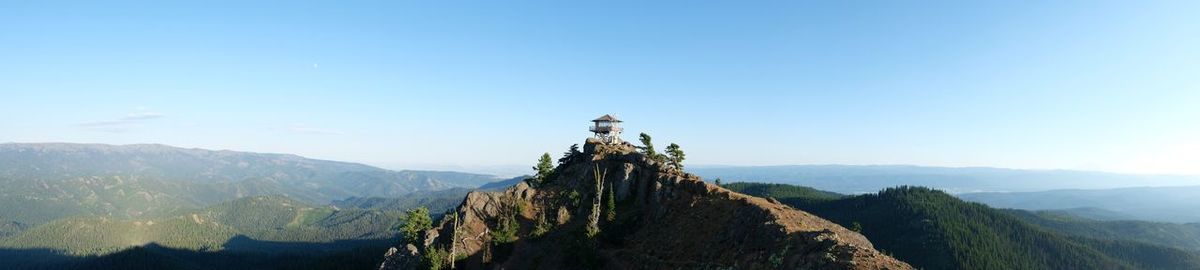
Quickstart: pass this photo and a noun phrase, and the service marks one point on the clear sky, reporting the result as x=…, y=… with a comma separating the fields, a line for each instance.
x=1093, y=85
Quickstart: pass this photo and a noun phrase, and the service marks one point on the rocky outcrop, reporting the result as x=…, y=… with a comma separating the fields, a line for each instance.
x=395, y=260
x=652, y=216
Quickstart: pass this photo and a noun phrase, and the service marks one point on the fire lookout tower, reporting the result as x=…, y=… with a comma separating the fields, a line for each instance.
x=607, y=128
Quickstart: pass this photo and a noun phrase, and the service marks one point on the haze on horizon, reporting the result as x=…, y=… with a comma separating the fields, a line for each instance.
x=1096, y=85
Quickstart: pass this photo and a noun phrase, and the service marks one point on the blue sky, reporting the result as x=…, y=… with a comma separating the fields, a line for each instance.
x=1093, y=85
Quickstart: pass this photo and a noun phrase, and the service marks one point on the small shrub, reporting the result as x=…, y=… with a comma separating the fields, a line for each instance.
x=434, y=258
x=541, y=226
x=506, y=230
x=776, y=259
x=574, y=197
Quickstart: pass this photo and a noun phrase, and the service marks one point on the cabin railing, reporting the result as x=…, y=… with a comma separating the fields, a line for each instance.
x=604, y=129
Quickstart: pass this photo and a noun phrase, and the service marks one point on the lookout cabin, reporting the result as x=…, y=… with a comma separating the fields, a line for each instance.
x=607, y=129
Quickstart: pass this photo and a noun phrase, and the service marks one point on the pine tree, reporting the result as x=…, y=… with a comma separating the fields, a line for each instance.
x=570, y=153
x=676, y=156
x=717, y=181
x=544, y=168
x=648, y=148
x=416, y=221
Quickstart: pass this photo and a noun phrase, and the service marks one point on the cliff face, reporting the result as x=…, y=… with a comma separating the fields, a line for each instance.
x=641, y=215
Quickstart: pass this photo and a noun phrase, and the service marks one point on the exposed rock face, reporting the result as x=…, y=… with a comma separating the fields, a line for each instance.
x=663, y=219
x=394, y=260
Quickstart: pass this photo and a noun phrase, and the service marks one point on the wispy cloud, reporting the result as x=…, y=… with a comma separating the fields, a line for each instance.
x=123, y=124
x=303, y=129
x=143, y=115
x=104, y=123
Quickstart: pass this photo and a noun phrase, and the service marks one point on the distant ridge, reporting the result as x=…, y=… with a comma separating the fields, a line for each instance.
x=55, y=180
x=858, y=179
x=1167, y=204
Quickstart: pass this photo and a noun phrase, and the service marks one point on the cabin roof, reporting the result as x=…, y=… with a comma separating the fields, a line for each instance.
x=607, y=118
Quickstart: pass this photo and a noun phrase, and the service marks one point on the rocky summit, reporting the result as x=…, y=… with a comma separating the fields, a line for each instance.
x=610, y=206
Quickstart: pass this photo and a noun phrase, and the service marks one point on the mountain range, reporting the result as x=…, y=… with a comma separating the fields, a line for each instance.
x=270, y=229
x=89, y=206
x=57, y=180
x=1164, y=204
x=857, y=179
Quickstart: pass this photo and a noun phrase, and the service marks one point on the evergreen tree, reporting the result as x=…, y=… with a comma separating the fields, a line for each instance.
x=506, y=229
x=570, y=153
x=416, y=221
x=675, y=156
x=435, y=258
x=717, y=181
x=541, y=225
x=543, y=168
x=648, y=148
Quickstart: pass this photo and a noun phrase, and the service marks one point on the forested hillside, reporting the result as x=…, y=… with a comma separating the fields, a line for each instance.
x=1185, y=236
x=1089, y=213
x=155, y=257
x=82, y=206
x=437, y=202
x=255, y=225
x=933, y=230
x=10, y=228
x=52, y=181
x=784, y=191
x=1165, y=204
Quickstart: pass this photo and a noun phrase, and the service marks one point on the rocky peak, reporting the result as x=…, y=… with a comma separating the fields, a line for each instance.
x=641, y=215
